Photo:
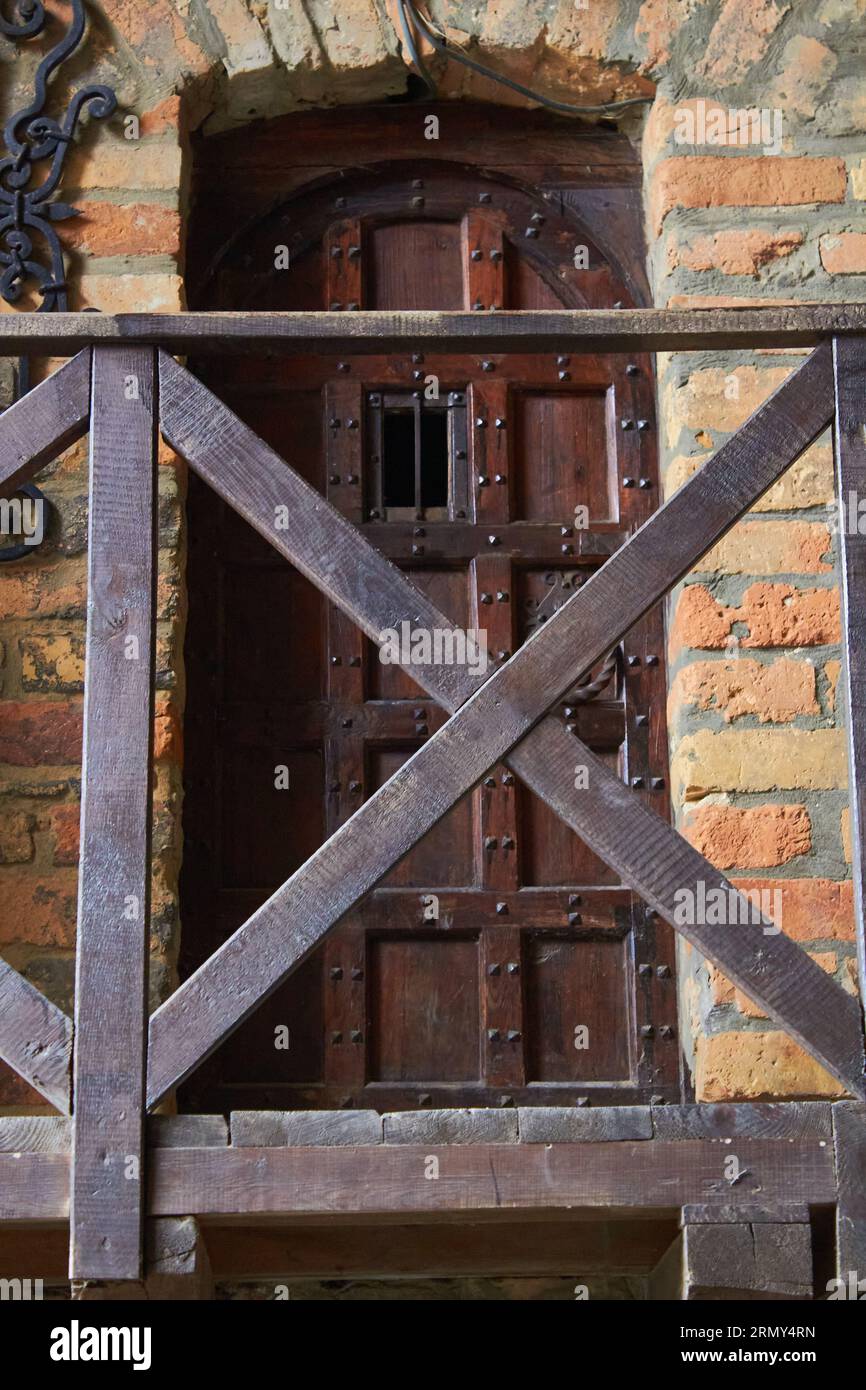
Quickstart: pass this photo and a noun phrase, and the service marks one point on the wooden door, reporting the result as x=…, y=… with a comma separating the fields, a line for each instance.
x=501, y=962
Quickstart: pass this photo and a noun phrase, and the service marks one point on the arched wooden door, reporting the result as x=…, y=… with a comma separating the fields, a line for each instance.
x=501, y=962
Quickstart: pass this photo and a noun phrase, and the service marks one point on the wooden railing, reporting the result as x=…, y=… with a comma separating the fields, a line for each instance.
x=125, y=386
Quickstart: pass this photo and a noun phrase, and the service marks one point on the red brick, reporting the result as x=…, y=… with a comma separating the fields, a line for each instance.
x=813, y=909
x=776, y=615
x=38, y=906
x=131, y=229
x=33, y=732
x=757, y=837
x=707, y=181
x=65, y=829
x=844, y=253
x=734, y=252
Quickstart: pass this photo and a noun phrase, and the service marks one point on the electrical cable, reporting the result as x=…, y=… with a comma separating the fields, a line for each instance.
x=409, y=15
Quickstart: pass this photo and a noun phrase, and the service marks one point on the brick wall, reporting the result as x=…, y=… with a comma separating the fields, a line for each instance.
x=758, y=759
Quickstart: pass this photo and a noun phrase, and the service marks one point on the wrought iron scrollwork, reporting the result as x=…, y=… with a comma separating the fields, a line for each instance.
x=27, y=207
x=30, y=249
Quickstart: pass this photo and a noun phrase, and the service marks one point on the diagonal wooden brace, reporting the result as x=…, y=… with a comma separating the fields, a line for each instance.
x=656, y=861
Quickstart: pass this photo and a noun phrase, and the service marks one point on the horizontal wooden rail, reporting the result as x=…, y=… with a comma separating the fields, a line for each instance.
x=580, y=330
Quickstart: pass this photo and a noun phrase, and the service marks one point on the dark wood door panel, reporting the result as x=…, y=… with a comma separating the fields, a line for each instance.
x=563, y=456
x=467, y=976
x=424, y=1009
x=577, y=1008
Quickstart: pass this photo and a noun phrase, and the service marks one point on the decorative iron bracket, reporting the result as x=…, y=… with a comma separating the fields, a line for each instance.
x=30, y=249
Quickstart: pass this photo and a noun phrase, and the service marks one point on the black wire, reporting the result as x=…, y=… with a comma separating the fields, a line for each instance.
x=441, y=45
x=415, y=56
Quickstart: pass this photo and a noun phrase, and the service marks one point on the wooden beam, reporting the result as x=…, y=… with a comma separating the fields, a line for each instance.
x=491, y=1181
x=647, y=852
x=177, y=1265
x=35, y=1037
x=753, y=1261
x=377, y=331
x=849, y=367
x=849, y=1125
x=113, y=913
x=44, y=422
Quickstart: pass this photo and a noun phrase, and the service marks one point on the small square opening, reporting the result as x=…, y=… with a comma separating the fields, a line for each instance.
x=418, y=464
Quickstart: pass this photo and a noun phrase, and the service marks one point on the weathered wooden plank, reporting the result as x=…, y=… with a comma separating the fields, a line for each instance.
x=849, y=1125
x=651, y=857
x=386, y=1179
x=564, y=330
x=176, y=1261
x=849, y=363
x=781, y=1120
x=548, y=1124
x=34, y=1134
x=390, y=1178
x=747, y=1261
x=35, y=1037
x=187, y=1131
x=44, y=422
x=702, y=1215
x=113, y=912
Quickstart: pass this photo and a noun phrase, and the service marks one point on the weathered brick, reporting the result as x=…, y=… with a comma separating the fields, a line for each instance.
x=125, y=165
x=844, y=253
x=715, y=399
x=770, y=547
x=131, y=294
x=858, y=179
x=55, y=590
x=125, y=229
x=774, y=693
x=38, y=906
x=813, y=909
x=706, y=181
x=758, y=760
x=776, y=615
x=757, y=1066
x=65, y=822
x=723, y=993
x=167, y=741
x=52, y=663
x=739, y=39
x=16, y=839
x=806, y=68
x=845, y=831
x=754, y=837
x=733, y=252
x=36, y=732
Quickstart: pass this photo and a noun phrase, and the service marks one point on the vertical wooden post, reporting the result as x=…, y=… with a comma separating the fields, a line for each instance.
x=111, y=962
x=849, y=371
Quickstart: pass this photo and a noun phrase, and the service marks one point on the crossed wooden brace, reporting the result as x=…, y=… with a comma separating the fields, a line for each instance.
x=502, y=717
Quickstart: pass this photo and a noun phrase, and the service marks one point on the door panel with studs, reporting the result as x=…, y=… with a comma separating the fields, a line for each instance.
x=501, y=962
